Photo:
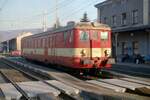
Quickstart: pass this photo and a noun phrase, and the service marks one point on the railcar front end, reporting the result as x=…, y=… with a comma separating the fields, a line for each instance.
x=93, y=47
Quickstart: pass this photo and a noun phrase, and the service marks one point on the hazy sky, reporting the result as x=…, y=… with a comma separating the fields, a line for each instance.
x=20, y=14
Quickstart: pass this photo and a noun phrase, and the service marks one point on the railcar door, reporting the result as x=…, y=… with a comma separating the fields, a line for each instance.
x=95, y=50
x=105, y=43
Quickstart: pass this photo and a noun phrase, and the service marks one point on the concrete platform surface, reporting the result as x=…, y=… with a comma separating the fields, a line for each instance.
x=47, y=97
x=67, y=89
x=122, y=83
x=35, y=88
x=137, y=81
x=10, y=92
x=109, y=86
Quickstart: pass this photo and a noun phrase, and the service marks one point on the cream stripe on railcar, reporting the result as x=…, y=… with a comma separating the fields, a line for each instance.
x=39, y=51
x=69, y=52
x=96, y=52
x=76, y=52
x=27, y=51
x=79, y=50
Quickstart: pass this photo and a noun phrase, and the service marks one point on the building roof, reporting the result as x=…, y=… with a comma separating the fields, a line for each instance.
x=103, y=3
x=7, y=35
x=130, y=29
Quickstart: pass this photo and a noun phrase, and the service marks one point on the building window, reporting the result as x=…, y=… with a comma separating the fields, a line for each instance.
x=123, y=2
x=105, y=20
x=124, y=18
x=124, y=48
x=114, y=20
x=135, y=16
x=135, y=45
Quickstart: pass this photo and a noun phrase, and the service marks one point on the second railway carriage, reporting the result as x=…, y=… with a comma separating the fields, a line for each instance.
x=79, y=46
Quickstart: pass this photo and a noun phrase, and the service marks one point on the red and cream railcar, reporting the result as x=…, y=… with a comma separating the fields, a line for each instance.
x=84, y=45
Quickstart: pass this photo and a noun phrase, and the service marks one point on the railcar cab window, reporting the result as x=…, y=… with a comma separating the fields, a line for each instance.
x=84, y=35
x=104, y=35
x=94, y=35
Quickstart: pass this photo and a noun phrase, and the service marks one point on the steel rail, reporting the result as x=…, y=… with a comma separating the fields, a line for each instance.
x=40, y=79
x=16, y=86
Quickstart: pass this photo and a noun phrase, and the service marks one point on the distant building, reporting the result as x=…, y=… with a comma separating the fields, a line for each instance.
x=11, y=40
x=14, y=44
x=130, y=22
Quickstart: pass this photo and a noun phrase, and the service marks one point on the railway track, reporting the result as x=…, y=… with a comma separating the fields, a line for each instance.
x=101, y=83
x=13, y=74
x=41, y=78
x=17, y=87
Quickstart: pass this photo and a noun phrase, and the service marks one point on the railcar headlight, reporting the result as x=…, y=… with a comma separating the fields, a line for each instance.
x=107, y=53
x=83, y=52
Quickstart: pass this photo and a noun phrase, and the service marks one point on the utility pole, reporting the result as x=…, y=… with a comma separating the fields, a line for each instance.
x=44, y=21
x=56, y=15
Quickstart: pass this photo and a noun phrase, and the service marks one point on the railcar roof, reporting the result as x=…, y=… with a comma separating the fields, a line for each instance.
x=80, y=25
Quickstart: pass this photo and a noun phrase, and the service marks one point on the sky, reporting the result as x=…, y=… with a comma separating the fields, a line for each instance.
x=27, y=14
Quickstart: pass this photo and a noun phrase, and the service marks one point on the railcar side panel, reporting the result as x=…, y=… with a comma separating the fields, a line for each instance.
x=80, y=47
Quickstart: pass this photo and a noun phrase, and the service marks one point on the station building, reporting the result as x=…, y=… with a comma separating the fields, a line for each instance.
x=14, y=44
x=130, y=22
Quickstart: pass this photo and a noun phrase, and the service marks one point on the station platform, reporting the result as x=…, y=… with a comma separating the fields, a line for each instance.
x=133, y=65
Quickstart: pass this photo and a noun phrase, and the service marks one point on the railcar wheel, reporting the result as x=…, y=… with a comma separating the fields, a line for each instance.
x=95, y=72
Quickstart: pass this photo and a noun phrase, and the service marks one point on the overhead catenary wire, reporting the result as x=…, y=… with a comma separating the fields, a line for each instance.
x=78, y=10
x=61, y=5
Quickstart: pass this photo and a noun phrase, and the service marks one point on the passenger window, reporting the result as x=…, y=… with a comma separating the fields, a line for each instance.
x=94, y=35
x=84, y=35
x=104, y=35
x=65, y=36
x=71, y=36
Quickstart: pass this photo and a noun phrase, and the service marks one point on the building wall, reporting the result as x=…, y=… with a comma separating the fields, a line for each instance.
x=22, y=35
x=148, y=43
x=149, y=11
x=15, y=43
x=109, y=8
x=116, y=7
x=12, y=45
x=127, y=37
